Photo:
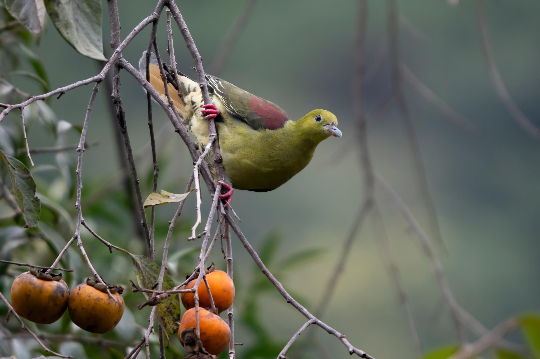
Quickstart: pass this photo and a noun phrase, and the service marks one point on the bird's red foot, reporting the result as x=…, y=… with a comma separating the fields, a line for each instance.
x=210, y=111
x=227, y=195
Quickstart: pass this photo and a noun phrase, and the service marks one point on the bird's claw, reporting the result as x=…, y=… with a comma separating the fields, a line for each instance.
x=228, y=194
x=210, y=111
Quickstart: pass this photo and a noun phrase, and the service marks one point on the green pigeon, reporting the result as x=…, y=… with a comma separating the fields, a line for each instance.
x=262, y=148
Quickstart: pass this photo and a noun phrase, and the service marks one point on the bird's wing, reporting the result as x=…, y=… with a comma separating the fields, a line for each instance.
x=255, y=111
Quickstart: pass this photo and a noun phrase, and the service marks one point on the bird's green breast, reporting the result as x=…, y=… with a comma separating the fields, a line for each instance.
x=262, y=160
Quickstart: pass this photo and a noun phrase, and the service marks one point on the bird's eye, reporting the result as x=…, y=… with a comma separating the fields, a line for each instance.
x=318, y=118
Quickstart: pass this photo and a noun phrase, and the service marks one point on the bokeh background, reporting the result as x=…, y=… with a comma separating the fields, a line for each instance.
x=300, y=55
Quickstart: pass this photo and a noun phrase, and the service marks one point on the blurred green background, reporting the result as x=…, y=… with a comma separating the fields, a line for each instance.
x=299, y=55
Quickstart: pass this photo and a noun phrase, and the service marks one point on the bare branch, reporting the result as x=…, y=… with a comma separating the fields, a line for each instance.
x=230, y=311
x=487, y=341
x=56, y=149
x=103, y=240
x=169, y=235
x=97, y=78
x=10, y=308
x=72, y=338
x=198, y=187
x=496, y=78
x=432, y=98
x=435, y=263
x=35, y=266
x=26, y=139
x=396, y=278
x=218, y=161
x=294, y=337
x=395, y=52
x=412, y=29
x=220, y=60
x=287, y=296
x=10, y=200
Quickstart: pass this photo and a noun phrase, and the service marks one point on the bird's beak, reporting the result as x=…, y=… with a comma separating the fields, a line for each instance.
x=333, y=130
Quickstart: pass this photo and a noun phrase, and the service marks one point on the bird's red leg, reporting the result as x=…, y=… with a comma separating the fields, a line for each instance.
x=227, y=195
x=210, y=111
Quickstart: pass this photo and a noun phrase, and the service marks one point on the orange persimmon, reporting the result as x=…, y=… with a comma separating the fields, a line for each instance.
x=214, y=331
x=39, y=300
x=221, y=287
x=93, y=310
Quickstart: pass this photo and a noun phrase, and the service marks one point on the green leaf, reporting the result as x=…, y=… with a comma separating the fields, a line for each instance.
x=147, y=275
x=164, y=197
x=505, y=354
x=531, y=328
x=79, y=23
x=30, y=13
x=442, y=353
x=24, y=189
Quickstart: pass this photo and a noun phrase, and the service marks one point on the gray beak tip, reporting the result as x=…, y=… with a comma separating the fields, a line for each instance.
x=335, y=131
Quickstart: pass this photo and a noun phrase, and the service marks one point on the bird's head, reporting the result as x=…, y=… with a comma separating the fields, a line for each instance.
x=319, y=125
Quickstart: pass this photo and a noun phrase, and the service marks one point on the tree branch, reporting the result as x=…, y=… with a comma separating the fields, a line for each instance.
x=220, y=60
x=10, y=309
x=496, y=78
x=35, y=266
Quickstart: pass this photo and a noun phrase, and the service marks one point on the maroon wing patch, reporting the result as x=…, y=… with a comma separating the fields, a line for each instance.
x=255, y=111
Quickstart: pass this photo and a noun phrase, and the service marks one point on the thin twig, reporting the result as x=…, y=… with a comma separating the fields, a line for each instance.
x=170, y=50
x=218, y=160
x=35, y=266
x=198, y=187
x=10, y=200
x=108, y=244
x=436, y=265
x=432, y=98
x=281, y=354
x=10, y=308
x=487, y=341
x=62, y=252
x=365, y=161
x=412, y=29
x=26, y=139
x=395, y=52
x=72, y=338
x=112, y=86
x=351, y=349
x=151, y=129
x=80, y=219
x=55, y=149
x=202, y=257
x=496, y=78
x=124, y=177
x=460, y=316
x=8, y=24
x=120, y=115
x=169, y=235
x=97, y=78
x=230, y=311
x=223, y=54
x=396, y=278
x=212, y=304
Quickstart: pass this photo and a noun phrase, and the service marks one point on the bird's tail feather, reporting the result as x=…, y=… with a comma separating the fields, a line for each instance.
x=157, y=82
